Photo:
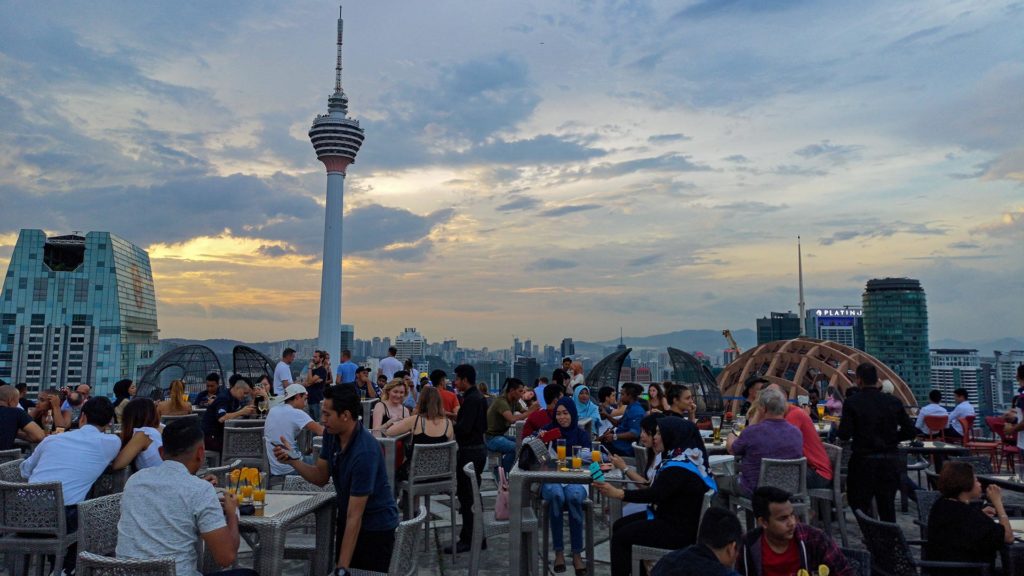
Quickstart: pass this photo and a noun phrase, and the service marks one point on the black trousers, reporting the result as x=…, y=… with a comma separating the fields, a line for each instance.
x=874, y=477
x=373, y=550
x=637, y=529
x=464, y=489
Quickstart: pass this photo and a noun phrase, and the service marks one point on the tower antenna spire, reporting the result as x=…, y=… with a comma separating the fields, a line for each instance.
x=800, y=273
x=337, y=66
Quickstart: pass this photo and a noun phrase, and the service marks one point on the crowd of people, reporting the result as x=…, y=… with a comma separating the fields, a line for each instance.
x=663, y=500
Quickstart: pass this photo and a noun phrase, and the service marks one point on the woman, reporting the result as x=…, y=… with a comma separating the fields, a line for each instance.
x=648, y=428
x=577, y=375
x=428, y=426
x=656, y=398
x=176, y=403
x=124, y=390
x=834, y=404
x=959, y=532
x=585, y=408
x=140, y=436
x=391, y=407
x=572, y=495
x=674, y=498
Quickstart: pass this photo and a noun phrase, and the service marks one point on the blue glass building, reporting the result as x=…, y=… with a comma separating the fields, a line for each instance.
x=76, y=309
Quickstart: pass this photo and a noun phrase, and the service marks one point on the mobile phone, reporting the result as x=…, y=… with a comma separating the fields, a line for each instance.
x=294, y=453
x=596, y=473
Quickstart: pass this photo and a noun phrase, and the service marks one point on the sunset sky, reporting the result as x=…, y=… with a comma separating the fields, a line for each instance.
x=537, y=168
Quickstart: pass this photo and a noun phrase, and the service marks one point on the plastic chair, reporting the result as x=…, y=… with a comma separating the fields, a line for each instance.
x=32, y=523
x=245, y=444
x=485, y=525
x=1008, y=447
x=789, y=475
x=979, y=446
x=859, y=560
x=97, y=524
x=403, y=558
x=94, y=565
x=11, y=471
x=891, y=554
x=8, y=455
x=432, y=471
x=937, y=422
x=832, y=497
x=925, y=500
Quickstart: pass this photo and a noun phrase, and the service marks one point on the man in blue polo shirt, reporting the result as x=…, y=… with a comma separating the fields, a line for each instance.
x=620, y=439
x=352, y=458
x=347, y=369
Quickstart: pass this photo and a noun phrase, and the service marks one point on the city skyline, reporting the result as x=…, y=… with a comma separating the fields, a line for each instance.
x=541, y=169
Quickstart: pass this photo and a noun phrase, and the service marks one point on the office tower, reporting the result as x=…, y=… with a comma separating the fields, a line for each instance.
x=896, y=330
x=410, y=344
x=568, y=348
x=956, y=368
x=348, y=340
x=841, y=325
x=77, y=309
x=492, y=373
x=1006, y=374
x=336, y=139
x=778, y=326
x=526, y=369
x=517, y=347
x=376, y=348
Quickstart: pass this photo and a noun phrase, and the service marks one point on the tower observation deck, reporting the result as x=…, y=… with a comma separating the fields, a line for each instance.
x=336, y=137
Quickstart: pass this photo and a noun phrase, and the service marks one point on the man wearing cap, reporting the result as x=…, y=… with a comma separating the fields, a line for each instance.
x=365, y=386
x=287, y=419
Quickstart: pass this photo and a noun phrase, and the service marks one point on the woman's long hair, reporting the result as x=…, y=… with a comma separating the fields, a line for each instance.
x=121, y=388
x=429, y=405
x=177, y=391
x=138, y=413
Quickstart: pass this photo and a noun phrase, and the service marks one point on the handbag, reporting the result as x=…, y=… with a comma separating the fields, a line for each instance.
x=501, y=503
x=533, y=454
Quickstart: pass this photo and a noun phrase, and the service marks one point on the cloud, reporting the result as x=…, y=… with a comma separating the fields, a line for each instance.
x=711, y=8
x=1011, y=225
x=756, y=207
x=1007, y=166
x=737, y=159
x=644, y=261
x=835, y=153
x=519, y=203
x=543, y=149
x=867, y=231
x=546, y=264
x=793, y=170
x=964, y=245
x=566, y=210
x=668, y=138
x=664, y=163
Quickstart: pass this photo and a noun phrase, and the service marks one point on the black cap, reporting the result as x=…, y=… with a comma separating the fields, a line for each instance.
x=362, y=369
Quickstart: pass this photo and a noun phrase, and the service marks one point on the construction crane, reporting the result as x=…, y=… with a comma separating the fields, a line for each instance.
x=732, y=341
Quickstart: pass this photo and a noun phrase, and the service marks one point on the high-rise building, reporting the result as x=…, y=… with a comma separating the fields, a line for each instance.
x=956, y=368
x=526, y=369
x=841, y=325
x=77, y=309
x=568, y=348
x=348, y=340
x=896, y=330
x=989, y=402
x=410, y=344
x=336, y=139
x=492, y=373
x=1006, y=375
x=376, y=348
x=778, y=326
x=517, y=347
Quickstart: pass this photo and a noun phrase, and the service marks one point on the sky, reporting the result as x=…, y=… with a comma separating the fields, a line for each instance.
x=534, y=168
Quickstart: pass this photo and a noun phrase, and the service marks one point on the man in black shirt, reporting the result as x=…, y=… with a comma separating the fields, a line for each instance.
x=470, y=425
x=14, y=420
x=877, y=423
x=23, y=397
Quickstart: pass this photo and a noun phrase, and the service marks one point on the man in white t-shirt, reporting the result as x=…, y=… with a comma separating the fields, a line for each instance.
x=283, y=372
x=933, y=408
x=963, y=409
x=285, y=421
x=390, y=365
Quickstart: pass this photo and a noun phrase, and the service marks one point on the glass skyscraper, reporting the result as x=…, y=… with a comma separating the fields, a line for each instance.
x=76, y=309
x=896, y=330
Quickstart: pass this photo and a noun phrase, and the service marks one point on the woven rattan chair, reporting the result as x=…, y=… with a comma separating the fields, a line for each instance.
x=303, y=548
x=244, y=443
x=859, y=560
x=981, y=464
x=588, y=533
x=245, y=423
x=9, y=455
x=891, y=554
x=789, y=475
x=486, y=526
x=94, y=565
x=32, y=523
x=165, y=420
x=110, y=482
x=640, y=458
x=431, y=471
x=641, y=554
x=97, y=524
x=403, y=558
x=221, y=472
x=11, y=471
x=925, y=500
x=831, y=499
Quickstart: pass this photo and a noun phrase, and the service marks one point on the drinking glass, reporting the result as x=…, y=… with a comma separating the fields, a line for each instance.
x=741, y=423
x=245, y=488
x=184, y=398
x=259, y=492
x=821, y=411
x=560, y=450
x=234, y=478
x=716, y=425
x=595, y=452
x=577, y=458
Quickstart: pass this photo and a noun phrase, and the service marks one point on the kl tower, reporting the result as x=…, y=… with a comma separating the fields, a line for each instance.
x=336, y=139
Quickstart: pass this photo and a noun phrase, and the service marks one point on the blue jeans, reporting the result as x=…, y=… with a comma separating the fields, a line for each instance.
x=504, y=445
x=557, y=496
x=314, y=411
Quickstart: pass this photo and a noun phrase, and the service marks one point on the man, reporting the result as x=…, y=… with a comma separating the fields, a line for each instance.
x=560, y=378
x=382, y=381
x=23, y=400
x=364, y=386
x=470, y=425
x=227, y=406
x=877, y=423
x=620, y=439
x=439, y=380
x=283, y=372
x=768, y=436
x=819, y=466
x=715, y=552
x=781, y=546
x=390, y=365
x=204, y=399
x=352, y=458
x=963, y=409
x=567, y=365
x=538, y=390
x=72, y=406
x=933, y=408
x=680, y=401
x=164, y=507
x=75, y=459
x=347, y=368
x=500, y=416
x=541, y=418
x=813, y=398
x=286, y=420
x=318, y=378
x=15, y=421
x=751, y=388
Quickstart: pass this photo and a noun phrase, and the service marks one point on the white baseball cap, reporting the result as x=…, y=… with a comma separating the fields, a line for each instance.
x=294, y=390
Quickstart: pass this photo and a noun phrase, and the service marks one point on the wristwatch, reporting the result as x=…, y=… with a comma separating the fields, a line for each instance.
x=340, y=571
x=615, y=435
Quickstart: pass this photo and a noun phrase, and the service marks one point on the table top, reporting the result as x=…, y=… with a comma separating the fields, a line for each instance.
x=550, y=471
x=932, y=446
x=284, y=507
x=1007, y=481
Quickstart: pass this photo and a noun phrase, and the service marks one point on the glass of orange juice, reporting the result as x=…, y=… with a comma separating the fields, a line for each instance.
x=233, y=480
x=246, y=487
x=560, y=450
x=821, y=411
x=184, y=398
x=595, y=452
x=577, y=458
x=259, y=492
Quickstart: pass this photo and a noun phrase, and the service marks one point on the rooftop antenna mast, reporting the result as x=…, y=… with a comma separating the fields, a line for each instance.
x=337, y=66
x=800, y=273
